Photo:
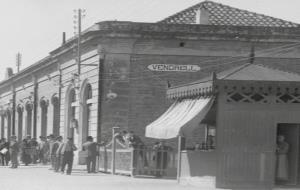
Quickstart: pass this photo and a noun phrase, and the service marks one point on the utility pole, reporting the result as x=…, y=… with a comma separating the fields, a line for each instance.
x=79, y=14
x=18, y=61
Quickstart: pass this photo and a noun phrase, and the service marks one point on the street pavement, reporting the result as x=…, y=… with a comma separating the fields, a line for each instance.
x=38, y=177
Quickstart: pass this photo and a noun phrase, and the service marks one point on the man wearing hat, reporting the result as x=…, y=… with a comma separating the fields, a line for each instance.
x=91, y=148
x=14, y=150
x=4, y=154
x=55, y=154
x=42, y=149
x=68, y=152
x=51, y=142
x=34, y=147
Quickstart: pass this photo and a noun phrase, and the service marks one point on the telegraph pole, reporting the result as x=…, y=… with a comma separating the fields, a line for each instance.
x=79, y=14
x=79, y=41
x=18, y=61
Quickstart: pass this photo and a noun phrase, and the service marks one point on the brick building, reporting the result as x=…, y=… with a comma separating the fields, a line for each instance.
x=127, y=66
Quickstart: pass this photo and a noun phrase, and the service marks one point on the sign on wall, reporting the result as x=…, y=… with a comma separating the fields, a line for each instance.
x=173, y=67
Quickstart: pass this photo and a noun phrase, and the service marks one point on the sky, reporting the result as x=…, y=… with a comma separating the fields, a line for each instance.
x=34, y=27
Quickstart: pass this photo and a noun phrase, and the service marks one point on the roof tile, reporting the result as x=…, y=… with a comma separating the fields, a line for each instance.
x=220, y=14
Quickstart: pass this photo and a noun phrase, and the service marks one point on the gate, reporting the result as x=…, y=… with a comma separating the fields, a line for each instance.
x=143, y=161
x=154, y=162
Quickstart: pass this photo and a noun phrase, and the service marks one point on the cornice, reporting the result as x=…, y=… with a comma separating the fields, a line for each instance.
x=120, y=29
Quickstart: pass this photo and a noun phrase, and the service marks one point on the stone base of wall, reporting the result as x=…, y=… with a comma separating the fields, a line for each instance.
x=202, y=182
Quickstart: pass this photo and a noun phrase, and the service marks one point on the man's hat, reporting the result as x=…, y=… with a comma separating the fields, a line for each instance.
x=59, y=137
x=13, y=136
x=70, y=138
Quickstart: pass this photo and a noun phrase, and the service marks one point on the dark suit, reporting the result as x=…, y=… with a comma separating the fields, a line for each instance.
x=68, y=149
x=14, y=150
x=91, y=148
x=4, y=157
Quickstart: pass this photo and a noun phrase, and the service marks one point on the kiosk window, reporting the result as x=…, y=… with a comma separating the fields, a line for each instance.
x=210, y=139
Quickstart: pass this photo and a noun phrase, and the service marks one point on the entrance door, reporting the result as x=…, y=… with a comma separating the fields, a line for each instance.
x=245, y=151
x=291, y=133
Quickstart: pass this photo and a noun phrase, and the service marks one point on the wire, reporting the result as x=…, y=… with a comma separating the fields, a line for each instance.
x=144, y=77
x=219, y=64
x=280, y=49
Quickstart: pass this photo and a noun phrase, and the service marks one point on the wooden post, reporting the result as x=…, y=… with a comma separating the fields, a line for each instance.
x=133, y=169
x=98, y=159
x=179, y=158
x=113, y=151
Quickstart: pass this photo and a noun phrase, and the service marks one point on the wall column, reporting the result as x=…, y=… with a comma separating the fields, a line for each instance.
x=35, y=106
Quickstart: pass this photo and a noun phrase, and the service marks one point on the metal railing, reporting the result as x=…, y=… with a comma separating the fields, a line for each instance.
x=141, y=161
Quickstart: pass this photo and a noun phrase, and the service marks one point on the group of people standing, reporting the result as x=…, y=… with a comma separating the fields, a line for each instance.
x=9, y=151
x=129, y=139
x=48, y=149
x=60, y=154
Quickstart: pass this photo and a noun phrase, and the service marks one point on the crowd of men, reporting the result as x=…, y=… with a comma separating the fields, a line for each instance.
x=49, y=149
x=59, y=154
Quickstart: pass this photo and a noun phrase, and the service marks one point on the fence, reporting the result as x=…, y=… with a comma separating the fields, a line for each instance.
x=142, y=161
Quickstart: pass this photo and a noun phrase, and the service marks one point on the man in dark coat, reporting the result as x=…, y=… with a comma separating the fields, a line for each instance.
x=4, y=148
x=67, y=150
x=34, y=149
x=58, y=154
x=26, y=157
x=54, y=148
x=43, y=150
x=14, y=151
x=91, y=148
x=139, y=149
x=51, y=141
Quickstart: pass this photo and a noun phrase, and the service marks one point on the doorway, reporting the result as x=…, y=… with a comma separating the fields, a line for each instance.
x=291, y=133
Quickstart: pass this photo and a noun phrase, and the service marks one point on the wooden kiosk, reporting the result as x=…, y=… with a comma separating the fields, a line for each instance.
x=250, y=105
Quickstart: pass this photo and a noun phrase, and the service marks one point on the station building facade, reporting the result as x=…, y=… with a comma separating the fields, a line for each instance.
x=126, y=67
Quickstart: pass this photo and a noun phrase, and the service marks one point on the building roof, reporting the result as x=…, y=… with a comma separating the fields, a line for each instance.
x=219, y=14
x=246, y=72
x=254, y=72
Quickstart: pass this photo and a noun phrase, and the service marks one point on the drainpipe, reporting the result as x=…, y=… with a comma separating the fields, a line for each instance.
x=35, y=107
x=14, y=112
x=113, y=151
x=100, y=90
x=59, y=93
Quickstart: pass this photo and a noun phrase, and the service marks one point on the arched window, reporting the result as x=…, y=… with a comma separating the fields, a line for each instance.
x=86, y=111
x=56, y=115
x=7, y=129
x=20, y=122
x=44, y=117
x=89, y=91
x=28, y=126
x=71, y=111
x=2, y=124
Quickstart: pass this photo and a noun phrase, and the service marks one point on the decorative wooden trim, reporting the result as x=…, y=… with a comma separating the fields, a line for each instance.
x=241, y=91
x=201, y=89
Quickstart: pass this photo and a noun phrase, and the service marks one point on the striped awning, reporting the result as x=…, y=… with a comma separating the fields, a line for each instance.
x=181, y=118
